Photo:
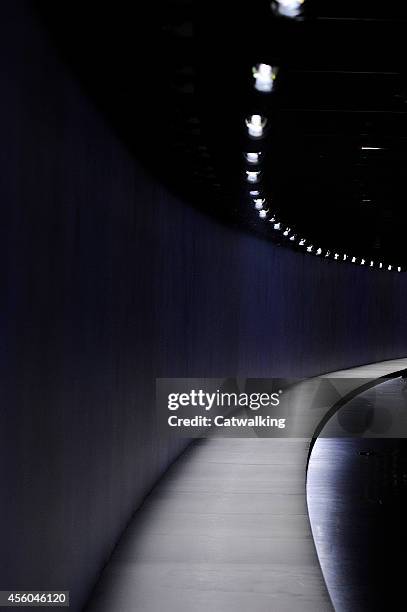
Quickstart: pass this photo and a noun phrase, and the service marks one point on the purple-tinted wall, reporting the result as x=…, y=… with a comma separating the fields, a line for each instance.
x=110, y=281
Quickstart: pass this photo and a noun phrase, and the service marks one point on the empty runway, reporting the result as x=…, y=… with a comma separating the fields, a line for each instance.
x=225, y=530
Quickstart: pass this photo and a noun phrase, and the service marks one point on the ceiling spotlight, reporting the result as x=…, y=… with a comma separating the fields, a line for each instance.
x=254, y=193
x=264, y=76
x=327, y=254
x=362, y=262
x=399, y=269
x=293, y=237
x=277, y=226
x=258, y=203
x=302, y=242
x=371, y=264
x=287, y=231
x=389, y=267
x=319, y=251
x=380, y=265
x=263, y=214
x=371, y=148
x=253, y=176
x=336, y=256
x=353, y=259
x=309, y=248
x=287, y=8
x=255, y=125
x=253, y=158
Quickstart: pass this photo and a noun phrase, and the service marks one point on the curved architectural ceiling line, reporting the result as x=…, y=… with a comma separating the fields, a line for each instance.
x=258, y=126
x=257, y=132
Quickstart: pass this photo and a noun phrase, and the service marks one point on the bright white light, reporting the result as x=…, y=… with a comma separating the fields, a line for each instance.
x=319, y=251
x=254, y=193
x=288, y=8
x=264, y=76
x=277, y=226
x=345, y=257
x=389, y=267
x=336, y=256
x=309, y=248
x=371, y=148
x=327, y=254
x=263, y=214
x=362, y=262
x=255, y=125
x=302, y=242
x=353, y=259
x=253, y=176
x=380, y=265
x=399, y=269
x=371, y=264
x=287, y=231
x=293, y=237
x=253, y=158
x=258, y=203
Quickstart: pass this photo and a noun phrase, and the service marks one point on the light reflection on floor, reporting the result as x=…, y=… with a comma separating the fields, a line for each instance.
x=357, y=501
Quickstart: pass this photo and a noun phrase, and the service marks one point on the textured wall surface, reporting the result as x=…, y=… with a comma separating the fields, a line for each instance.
x=108, y=281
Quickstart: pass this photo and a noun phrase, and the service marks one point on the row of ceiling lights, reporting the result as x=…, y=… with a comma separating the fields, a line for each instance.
x=264, y=78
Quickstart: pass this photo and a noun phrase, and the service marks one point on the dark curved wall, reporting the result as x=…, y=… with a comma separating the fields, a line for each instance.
x=110, y=281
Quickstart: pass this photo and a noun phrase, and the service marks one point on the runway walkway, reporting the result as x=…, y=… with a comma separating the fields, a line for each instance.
x=226, y=530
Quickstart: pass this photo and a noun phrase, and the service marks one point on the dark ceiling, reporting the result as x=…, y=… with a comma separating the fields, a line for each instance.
x=176, y=82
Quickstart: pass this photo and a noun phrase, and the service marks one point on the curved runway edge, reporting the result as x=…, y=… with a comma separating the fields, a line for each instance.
x=357, y=500
x=226, y=529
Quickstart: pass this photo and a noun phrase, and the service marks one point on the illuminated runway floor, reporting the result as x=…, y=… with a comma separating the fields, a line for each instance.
x=225, y=530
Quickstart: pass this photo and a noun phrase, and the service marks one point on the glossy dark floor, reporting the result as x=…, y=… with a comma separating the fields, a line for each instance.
x=357, y=499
